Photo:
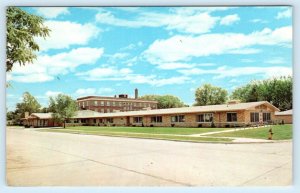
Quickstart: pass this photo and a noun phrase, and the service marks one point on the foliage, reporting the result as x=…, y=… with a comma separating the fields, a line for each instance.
x=208, y=94
x=165, y=101
x=278, y=91
x=29, y=104
x=63, y=108
x=22, y=28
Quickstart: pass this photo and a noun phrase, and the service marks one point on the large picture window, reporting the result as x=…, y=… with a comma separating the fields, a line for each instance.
x=156, y=119
x=231, y=117
x=109, y=120
x=206, y=117
x=137, y=119
x=177, y=118
x=266, y=117
x=254, y=117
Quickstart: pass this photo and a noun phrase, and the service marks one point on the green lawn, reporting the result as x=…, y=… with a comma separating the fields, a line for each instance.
x=167, y=133
x=280, y=132
x=147, y=130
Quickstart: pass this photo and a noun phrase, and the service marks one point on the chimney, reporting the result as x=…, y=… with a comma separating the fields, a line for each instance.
x=231, y=102
x=136, y=93
x=26, y=114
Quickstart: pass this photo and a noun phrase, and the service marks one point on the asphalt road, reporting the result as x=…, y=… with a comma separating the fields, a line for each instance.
x=58, y=159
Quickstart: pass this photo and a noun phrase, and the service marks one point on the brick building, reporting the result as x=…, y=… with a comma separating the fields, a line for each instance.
x=284, y=116
x=120, y=103
x=232, y=114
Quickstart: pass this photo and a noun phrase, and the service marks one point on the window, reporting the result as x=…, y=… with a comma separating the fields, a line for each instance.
x=95, y=121
x=254, y=117
x=109, y=120
x=134, y=104
x=266, y=117
x=95, y=103
x=231, y=117
x=102, y=103
x=114, y=103
x=108, y=110
x=156, y=119
x=137, y=119
x=206, y=117
x=107, y=103
x=102, y=110
x=177, y=118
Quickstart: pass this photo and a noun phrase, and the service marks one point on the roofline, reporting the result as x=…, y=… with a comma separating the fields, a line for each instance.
x=116, y=98
x=150, y=112
x=267, y=103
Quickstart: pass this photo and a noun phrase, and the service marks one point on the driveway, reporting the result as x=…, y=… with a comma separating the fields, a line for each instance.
x=37, y=158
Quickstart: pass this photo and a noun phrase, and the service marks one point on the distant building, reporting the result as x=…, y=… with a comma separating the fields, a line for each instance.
x=120, y=103
x=284, y=116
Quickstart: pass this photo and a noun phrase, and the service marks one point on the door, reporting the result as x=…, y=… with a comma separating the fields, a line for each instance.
x=127, y=121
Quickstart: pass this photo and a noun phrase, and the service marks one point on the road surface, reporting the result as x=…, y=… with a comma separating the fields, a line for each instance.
x=37, y=158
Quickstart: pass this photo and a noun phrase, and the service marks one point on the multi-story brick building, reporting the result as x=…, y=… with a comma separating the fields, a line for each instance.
x=120, y=103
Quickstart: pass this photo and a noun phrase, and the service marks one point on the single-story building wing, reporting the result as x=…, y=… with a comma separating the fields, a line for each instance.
x=285, y=116
x=231, y=114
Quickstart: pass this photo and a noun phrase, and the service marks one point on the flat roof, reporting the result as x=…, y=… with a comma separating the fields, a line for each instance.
x=113, y=98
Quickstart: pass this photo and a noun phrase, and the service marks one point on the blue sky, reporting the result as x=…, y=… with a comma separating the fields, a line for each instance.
x=159, y=50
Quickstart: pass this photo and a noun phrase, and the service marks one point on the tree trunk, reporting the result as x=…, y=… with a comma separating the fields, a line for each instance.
x=64, y=123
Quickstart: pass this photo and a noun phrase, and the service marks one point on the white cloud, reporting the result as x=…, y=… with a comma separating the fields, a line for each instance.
x=131, y=62
x=50, y=93
x=46, y=67
x=230, y=19
x=224, y=71
x=258, y=21
x=284, y=14
x=85, y=91
x=92, y=91
x=65, y=33
x=276, y=60
x=132, y=46
x=199, y=22
x=105, y=90
x=52, y=12
x=179, y=47
x=116, y=57
x=126, y=74
x=178, y=65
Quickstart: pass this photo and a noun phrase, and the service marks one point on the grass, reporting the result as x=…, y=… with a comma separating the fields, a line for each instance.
x=280, y=132
x=146, y=132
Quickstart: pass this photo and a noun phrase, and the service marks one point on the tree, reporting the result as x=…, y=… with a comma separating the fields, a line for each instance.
x=63, y=108
x=208, y=94
x=22, y=28
x=278, y=91
x=165, y=101
x=29, y=104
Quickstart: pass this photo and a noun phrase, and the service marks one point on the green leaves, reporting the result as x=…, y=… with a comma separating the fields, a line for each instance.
x=22, y=28
x=63, y=107
x=165, y=101
x=208, y=94
x=29, y=104
x=278, y=91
